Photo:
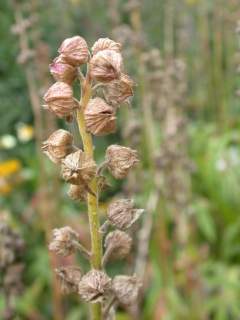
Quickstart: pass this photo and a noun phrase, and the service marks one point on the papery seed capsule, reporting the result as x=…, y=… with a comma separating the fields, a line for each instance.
x=94, y=286
x=121, y=213
x=118, y=245
x=126, y=289
x=63, y=241
x=106, y=66
x=69, y=277
x=58, y=145
x=74, y=50
x=62, y=71
x=78, y=168
x=120, y=90
x=120, y=160
x=99, y=117
x=59, y=99
x=106, y=44
x=77, y=192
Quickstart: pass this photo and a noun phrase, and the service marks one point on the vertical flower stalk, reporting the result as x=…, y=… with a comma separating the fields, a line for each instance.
x=103, y=88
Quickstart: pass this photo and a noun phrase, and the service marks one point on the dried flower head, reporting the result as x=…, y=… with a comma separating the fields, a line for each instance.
x=120, y=90
x=62, y=71
x=94, y=286
x=106, y=66
x=69, y=277
x=120, y=160
x=118, y=244
x=126, y=289
x=99, y=117
x=78, y=168
x=74, y=50
x=122, y=214
x=58, y=145
x=59, y=99
x=63, y=241
x=106, y=44
x=77, y=192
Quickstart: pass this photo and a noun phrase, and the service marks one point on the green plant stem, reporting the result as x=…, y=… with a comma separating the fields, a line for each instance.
x=92, y=201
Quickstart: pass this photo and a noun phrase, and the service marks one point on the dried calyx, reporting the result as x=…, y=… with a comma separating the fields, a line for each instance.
x=94, y=286
x=121, y=213
x=78, y=168
x=62, y=71
x=126, y=289
x=106, y=44
x=120, y=160
x=58, y=145
x=100, y=117
x=64, y=240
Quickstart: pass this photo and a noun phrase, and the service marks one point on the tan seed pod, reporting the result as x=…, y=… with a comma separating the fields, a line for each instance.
x=74, y=50
x=63, y=241
x=78, y=168
x=120, y=160
x=77, y=192
x=126, y=289
x=121, y=213
x=59, y=99
x=62, y=71
x=118, y=245
x=94, y=286
x=100, y=117
x=69, y=277
x=58, y=145
x=106, y=44
x=120, y=90
x=106, y=66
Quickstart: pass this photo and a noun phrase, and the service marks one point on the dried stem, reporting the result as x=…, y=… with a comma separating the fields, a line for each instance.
x=92, y=201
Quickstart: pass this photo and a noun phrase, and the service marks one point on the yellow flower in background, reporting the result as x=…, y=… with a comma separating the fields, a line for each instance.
x=9, y=167
x=25, y=132
x=5, y=187
x=192, y=2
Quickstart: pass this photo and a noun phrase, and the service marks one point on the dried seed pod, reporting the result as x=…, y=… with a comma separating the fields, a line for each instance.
x=58, y=145
x=69, y=277
x=63, y=241
x=126, y=289
x=106, y=44
x=77, y=192
x=74, y=50
x=100, y=117
x=94, y=286
x=62, y=71
x=120, y=160
x=59, y=99
x=78, y=168
x=119, y=91
x=118, y=245
x=122, y=214
x=106, y=66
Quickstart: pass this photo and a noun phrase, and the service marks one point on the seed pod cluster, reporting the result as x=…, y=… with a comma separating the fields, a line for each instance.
x=104, y=87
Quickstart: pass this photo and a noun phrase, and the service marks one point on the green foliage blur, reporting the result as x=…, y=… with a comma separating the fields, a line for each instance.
x=203, y=33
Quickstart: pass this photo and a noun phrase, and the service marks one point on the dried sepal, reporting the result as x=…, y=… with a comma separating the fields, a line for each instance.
x=78, y=168
x=118, y=245
x=120, y=160
x=106, y=66
x=119, y=91
x=77, y=192
x=69, y=277
x=126, y=289
x=99, y=117
x=94, y=286
x=121, y=213
x=62, y=71
x=58, y=145
x=106, y=44
x=74, y=50
x=59, y=99
x=63, y=242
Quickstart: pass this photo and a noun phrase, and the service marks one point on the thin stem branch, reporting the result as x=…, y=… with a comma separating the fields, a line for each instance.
x=92, y=200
